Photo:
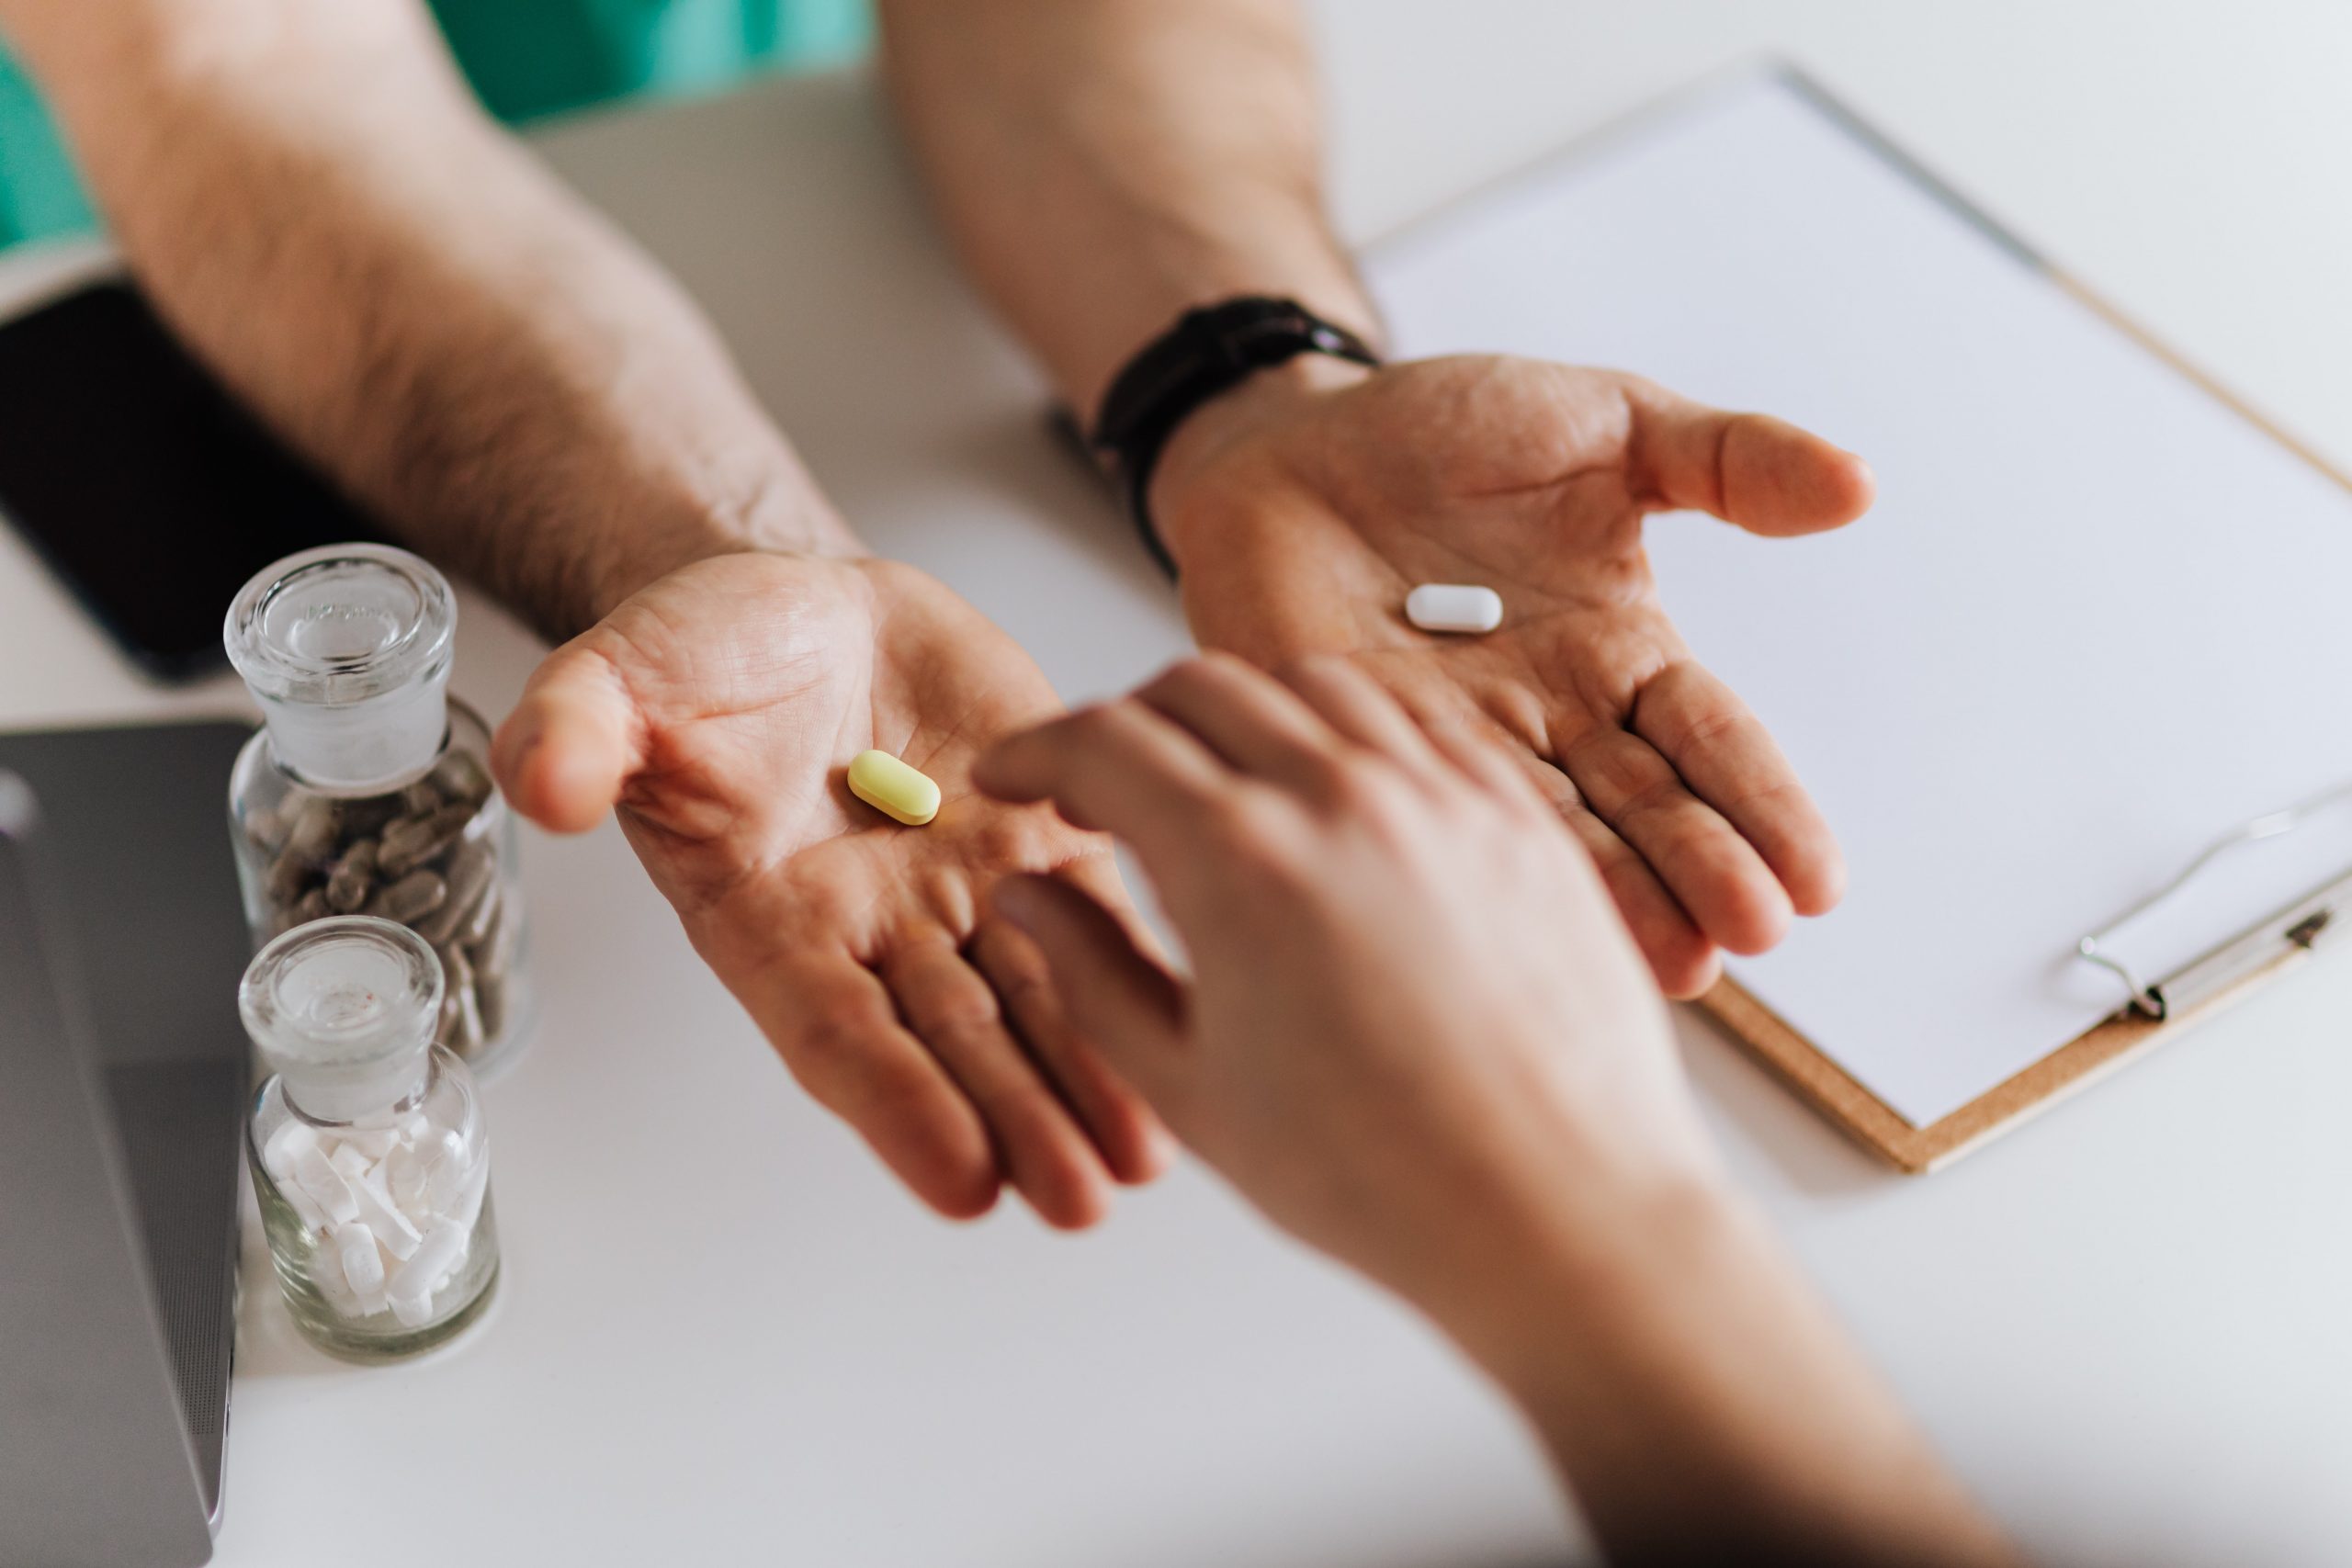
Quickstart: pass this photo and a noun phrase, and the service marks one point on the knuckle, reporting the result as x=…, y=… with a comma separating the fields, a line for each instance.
x=824, y=904
x=1102, y=730
x=1012, y=840
x=1215, y=680
x=1093, y=720
x=1368, y=791
x=1026, y=990
x=823, y=1049
x=1171, y=681
x=1256, y=831
x=1688, y=847
x=1651, y=797
x=968, y=1013
x=1333, y=667
x=1219, y=664
x=1327, y=778
x=1026, y=986
x=1201, y=671
x=1715, y=724
x=1637, y=387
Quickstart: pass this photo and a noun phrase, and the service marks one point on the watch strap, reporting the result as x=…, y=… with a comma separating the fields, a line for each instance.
x=1209, y=350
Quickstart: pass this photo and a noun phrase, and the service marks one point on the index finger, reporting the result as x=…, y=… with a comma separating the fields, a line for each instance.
x=1120, y=768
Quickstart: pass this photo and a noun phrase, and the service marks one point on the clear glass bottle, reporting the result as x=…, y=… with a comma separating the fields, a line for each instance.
x=366, y=1143
x=367, y=789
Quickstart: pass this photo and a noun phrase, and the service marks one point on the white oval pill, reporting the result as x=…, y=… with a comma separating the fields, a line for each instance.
x=443, y=1246
x=1454, y=607
x=363, y=1265
x=325, y=1185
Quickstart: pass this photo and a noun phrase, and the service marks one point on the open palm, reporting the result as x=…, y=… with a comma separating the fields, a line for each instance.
x=1300, y=519
x=718, y=709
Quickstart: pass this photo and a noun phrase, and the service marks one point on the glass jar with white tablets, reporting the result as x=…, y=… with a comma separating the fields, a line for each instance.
x=366, y=1143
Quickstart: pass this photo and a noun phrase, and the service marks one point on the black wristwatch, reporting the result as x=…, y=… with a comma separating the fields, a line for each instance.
x=1208, y=351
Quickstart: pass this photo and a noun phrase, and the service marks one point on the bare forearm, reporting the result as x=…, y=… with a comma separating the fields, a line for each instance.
x=1106, y=164
x=1703, y=1406
x=313, y=199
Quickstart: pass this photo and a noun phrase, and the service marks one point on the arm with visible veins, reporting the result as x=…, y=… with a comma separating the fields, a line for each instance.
x=320, y=209
x=312, y=198
x=1163, y=156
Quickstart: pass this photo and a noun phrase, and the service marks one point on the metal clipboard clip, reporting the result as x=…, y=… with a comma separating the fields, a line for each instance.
x=2321, y=914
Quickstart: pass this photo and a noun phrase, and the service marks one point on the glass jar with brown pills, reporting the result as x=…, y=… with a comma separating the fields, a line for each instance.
x=368, y=790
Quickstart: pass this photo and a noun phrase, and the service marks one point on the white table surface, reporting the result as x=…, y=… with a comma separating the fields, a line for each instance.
x=725, y=1337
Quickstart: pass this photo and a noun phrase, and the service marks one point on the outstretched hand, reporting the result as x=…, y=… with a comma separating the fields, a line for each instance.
x=1416, y=1038
x=1302, y=507
x=718, y=709
x=1415, y=1032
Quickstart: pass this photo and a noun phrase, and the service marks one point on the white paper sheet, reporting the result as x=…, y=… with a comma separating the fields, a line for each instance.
x=2095, y=619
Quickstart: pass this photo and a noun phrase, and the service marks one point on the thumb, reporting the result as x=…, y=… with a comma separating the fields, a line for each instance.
x=1128, y=1007
x=563, y=755
x=1764, y=474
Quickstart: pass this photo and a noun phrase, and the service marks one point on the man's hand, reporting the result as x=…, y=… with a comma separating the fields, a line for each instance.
x=1302, y=507
x=717, y=708
x=1169, y=157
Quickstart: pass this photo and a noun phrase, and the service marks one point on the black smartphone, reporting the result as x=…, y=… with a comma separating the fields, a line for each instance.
x=141, y=482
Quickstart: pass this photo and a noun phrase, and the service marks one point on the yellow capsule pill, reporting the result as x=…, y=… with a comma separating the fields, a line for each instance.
x=893, y=788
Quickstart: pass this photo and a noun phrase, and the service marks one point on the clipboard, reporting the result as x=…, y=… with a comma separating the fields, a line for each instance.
x=2155, y=1008
x=2149, y=1005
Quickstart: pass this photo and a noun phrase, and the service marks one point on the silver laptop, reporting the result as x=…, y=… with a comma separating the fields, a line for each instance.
x=122, y=1084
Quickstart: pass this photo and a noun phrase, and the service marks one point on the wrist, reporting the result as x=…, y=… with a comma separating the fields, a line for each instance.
x=1584, y=1256
x=787, y=517
x=1204, y=353
x=1265, y=400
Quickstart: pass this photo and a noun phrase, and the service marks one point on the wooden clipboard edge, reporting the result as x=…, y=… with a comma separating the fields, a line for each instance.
x=2091, y=1055
x=1869, y=1121
x=1913, y=1150
x=2084, y=295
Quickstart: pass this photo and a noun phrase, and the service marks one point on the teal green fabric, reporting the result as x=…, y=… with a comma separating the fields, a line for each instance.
x=530, y=58
x=38, y=192
x=527, y=59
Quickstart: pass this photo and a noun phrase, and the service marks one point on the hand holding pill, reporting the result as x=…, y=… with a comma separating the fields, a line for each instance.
x=770, y=728
x=1312, y=515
